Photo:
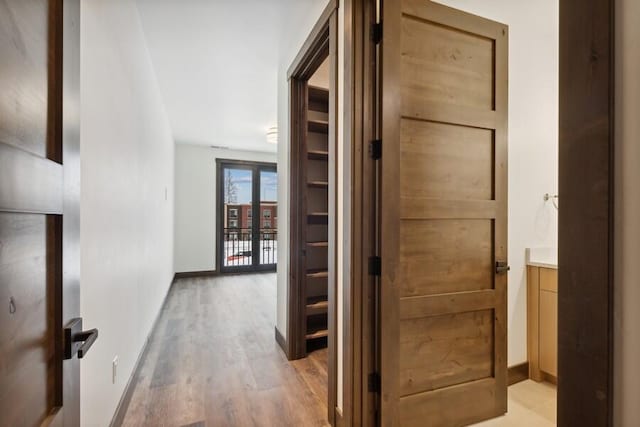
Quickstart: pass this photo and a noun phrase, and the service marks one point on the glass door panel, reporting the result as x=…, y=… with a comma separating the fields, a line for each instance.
x=268, y=217
x=237, y=193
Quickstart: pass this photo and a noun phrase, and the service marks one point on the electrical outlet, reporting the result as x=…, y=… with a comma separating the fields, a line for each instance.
x=114, y=370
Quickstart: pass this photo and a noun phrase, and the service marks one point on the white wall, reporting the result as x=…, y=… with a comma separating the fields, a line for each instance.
x=533, y=140
x=126, y=199
x=627, y=212
x=195, y=203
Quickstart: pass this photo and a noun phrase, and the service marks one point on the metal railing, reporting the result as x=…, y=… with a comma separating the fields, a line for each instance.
x=238, y=247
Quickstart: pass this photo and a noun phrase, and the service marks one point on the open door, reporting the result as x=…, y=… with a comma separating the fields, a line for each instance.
x=41, y=336
x=443, y=213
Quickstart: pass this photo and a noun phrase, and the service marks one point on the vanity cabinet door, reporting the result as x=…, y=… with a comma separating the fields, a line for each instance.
x=549, y=332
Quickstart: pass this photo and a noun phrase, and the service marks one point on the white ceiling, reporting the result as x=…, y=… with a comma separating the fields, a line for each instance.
x=217, y=62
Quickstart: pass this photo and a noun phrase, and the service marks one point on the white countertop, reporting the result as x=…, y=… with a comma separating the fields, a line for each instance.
x=542, y=257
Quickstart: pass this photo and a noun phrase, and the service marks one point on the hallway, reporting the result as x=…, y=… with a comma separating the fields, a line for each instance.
x=213, y=361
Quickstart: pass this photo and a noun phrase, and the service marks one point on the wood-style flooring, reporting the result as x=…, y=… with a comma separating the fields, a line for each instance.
x=213, y=361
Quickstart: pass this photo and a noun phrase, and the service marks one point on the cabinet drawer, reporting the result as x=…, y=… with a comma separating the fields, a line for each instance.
x=549, y=279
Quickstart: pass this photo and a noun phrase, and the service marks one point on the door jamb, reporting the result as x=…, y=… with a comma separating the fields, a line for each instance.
x=321, y=43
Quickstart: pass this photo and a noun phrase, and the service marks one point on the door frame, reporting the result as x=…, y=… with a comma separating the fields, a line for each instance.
x=321, y=43
x=241, y=164
x=586, y=182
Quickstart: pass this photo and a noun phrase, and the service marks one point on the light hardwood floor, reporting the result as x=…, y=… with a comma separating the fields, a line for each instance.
x=213, y=361
x=531, y=404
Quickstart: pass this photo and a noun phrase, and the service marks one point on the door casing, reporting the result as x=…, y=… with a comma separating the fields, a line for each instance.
x=321, y=43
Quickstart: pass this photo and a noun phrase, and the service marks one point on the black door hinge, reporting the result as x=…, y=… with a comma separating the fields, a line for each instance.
x=373, y=382
x=375, y=266
x=376, y=33
x=375, y=149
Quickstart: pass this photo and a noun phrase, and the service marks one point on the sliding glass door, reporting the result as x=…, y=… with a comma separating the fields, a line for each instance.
x=247, y=216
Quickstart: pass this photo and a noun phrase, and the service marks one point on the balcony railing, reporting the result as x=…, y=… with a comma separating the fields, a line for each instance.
x=238, y=247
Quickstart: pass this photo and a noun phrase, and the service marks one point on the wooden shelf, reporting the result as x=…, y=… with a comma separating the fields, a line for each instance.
x=318, y=126
x=315, y=334
x=317, y=274
x=317, y=305
x=318, y=94
x=318, y=155
x=318, y=218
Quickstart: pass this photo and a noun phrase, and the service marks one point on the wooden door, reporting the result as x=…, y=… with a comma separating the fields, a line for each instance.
x=39, y=212
x=443, y=305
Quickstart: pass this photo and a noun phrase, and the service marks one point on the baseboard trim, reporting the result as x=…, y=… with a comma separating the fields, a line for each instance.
x=518, y=373
x=282, y=341
x=190, y=274
x=125, y=400
x=549, y=378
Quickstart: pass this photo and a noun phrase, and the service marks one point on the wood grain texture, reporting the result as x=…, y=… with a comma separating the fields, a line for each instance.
x=26, y=340
x=549, y=279
x=24, y=49
x=225, y=367
x=429, y=151
x=445, y=350
x=549, y=332
x=533, y=322
x=455, y=67
x=586, y=177
x=39, y=254
x=518, y=373
x=446, y=256
x=443, y=216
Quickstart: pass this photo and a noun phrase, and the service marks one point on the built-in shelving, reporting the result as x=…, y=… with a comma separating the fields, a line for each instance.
x=318, y=155
x=316, y=205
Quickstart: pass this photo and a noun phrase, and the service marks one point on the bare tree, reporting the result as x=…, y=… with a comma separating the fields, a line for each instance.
x=230, y=188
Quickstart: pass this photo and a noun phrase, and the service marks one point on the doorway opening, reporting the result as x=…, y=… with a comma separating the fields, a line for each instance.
x=247, y=212
x=311, y=307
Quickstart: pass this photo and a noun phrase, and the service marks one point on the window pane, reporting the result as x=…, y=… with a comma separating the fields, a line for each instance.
x=268, y=217
x=237, y=191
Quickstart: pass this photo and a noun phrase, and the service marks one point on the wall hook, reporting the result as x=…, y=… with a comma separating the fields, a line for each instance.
x=12, y=305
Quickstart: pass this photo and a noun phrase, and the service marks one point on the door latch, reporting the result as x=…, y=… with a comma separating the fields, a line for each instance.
x=502, y=267
x=76, y=340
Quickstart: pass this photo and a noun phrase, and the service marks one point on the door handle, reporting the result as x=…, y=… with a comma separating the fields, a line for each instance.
x=502, y=267
x=77, y=341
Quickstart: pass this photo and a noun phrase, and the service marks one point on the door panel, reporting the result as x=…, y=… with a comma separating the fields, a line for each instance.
x=39, y=212
x=23, y=75
x=442, y=304
x=26, y=343
x=442, y=256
